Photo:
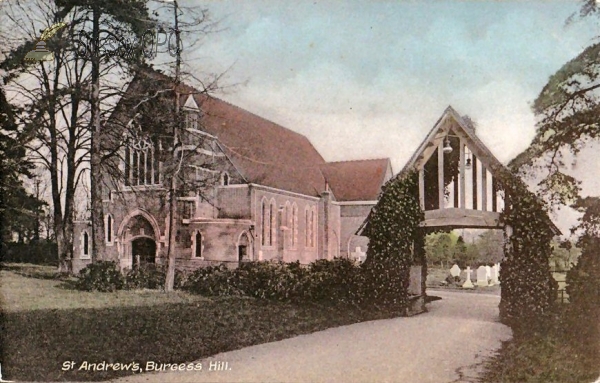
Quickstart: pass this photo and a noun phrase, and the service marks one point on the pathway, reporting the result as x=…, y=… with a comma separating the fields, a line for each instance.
x=443, y=345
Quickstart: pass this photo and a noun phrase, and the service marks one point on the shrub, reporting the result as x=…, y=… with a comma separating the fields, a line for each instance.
x=101, y=276
x=332, y=280
x=211, y=281
x=146, y=276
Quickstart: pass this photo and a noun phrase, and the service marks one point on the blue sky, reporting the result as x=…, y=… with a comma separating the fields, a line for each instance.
x=369, y=79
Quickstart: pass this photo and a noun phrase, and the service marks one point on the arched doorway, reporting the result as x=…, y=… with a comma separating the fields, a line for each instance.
x=143, y=251
x=137, y=236
x=244, y=248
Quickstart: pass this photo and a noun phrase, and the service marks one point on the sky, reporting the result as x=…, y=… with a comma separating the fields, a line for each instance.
x=369, y=79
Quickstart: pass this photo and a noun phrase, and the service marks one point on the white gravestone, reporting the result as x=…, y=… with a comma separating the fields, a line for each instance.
x=482, y=276
x=488, y=272
x=455, y=271
x=359, y=255
x=496, y=274
x=468, y=284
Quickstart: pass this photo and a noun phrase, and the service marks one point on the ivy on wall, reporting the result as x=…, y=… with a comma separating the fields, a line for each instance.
x=528, y=288
x=393, y=230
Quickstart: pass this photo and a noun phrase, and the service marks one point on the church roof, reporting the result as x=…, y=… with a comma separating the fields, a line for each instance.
x=269, y=154
x=357, y=180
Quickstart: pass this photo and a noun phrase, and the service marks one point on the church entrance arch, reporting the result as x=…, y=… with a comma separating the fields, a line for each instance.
x=138, y=239
x=143, y=250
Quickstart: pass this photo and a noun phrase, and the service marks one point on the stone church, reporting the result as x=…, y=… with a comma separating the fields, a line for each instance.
x=259, y=191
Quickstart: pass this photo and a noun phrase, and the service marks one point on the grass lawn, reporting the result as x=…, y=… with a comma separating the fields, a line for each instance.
x=45, y=324
x=567, y=353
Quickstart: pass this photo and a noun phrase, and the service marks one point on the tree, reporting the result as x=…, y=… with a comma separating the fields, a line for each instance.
x=18, y=208
x=490, y=245
x=55, y=97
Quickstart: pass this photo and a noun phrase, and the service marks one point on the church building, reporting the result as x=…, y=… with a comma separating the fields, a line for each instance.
x=253, y=190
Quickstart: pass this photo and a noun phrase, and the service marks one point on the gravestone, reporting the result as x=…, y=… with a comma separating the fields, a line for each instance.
x=494, y=271
x=455, y=271
x=488, y=272
x=496, y=274
x=468, y=284
x=359, y=255
x=482, y=276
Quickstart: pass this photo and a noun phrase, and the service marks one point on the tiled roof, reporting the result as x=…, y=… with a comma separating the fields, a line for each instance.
x=268, y=154
x=357, y=180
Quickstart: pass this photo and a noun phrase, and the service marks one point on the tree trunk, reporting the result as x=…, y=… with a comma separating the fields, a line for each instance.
x=96, y=185
x=170, y=278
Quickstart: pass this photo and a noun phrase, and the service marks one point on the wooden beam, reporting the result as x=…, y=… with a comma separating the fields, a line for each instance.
x=422, y=188
x=462, y=175
x=494, y=194
x=474, y=165
x=465, y=218
x=441, y=174
x=483, y=187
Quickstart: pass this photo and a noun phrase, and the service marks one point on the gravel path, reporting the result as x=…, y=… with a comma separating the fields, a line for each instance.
x=444, y=345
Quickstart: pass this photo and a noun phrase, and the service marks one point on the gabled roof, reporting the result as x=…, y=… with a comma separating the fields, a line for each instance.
x=269, y=154
x=450, y=119
x=357, y=180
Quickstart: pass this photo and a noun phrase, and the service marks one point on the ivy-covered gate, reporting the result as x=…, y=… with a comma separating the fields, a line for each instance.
x=454, y=181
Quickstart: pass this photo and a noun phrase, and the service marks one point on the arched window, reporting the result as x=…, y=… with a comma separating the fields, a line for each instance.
x=197, y=250
x=266, y=224
x=311, y=226
x=142, y=165
x=85, y=245
x=109, y=228
x=294, y=225
x=273, y=215
x=308, y=231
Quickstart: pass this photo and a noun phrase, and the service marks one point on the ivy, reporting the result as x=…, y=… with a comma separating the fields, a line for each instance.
x=528, y=288
x=393, y=230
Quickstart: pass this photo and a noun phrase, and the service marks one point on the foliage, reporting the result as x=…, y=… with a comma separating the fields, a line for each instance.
x=559, y=355
x=393, y=231
x=145, y=276
x=528, y=288
x=334, y=281
x=139, y=327
x=37, y=252
x=103, y=276
x=564, y=255
x=583, y=280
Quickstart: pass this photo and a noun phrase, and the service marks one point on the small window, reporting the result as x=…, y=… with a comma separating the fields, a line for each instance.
x=109, y=229
x=198, y=245
x=225, y=179
x=85, y=245
x=187, y=209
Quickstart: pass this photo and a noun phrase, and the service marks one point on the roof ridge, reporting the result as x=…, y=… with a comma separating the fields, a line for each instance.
x=359, y=160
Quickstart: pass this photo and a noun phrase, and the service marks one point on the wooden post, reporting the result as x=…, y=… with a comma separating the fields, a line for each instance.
x=494, y=195
x=441, y=174
x=474, y=164
x=483, y=188
x=422, y=188
x=462, y=175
